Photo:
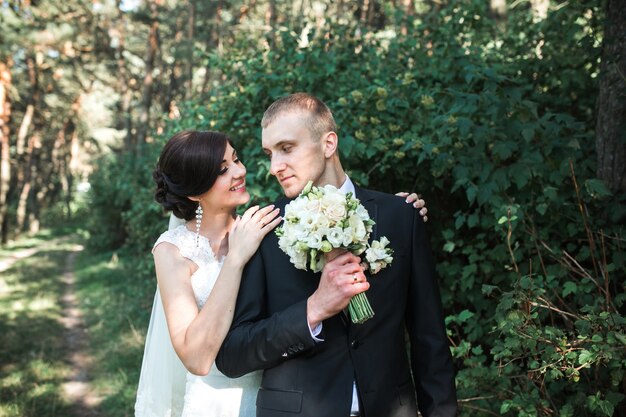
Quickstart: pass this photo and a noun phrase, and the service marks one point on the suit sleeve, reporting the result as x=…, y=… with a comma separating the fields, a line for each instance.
x=257, y=340
x=430, y=353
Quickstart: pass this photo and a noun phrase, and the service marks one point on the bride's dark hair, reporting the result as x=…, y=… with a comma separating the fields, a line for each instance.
x=188, y=166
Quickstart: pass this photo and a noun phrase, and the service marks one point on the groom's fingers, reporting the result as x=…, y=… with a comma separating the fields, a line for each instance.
x=345, y=258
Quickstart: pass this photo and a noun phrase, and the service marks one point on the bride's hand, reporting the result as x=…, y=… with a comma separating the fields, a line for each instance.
x=249, y=229
x=418, y=203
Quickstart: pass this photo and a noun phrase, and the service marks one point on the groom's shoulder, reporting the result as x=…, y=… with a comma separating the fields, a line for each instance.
x=281, y=202
x=390, y=200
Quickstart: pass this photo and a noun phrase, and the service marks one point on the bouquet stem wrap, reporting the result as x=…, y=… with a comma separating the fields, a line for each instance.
x=360, y=309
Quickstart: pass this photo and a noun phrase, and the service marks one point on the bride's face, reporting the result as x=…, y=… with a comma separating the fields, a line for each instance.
x=229, y=189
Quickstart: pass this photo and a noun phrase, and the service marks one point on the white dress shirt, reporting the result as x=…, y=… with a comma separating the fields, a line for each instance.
x=346, y=187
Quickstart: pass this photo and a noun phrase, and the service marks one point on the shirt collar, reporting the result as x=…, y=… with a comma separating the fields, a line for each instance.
x=347, y=186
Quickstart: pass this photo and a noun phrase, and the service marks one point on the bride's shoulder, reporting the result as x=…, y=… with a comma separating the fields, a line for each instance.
x=178, y=236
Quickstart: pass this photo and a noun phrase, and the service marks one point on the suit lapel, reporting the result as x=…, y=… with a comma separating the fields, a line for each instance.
x=368, y=201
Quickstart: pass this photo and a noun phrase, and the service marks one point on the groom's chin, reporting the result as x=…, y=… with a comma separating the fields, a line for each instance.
x=291, y=192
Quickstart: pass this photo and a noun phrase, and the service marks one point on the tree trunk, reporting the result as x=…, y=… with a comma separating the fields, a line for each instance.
x=5, y=163
x=61, y=160
x=148, y=80
x=25, y=154
x=215, y=41
x=539, y=9
x=611, y=121
x=409, y=8
x=270, y=20
x=30, y=107
x=191, y=24
x=364, y=11
x=29, y=172
x=498, y=9
x=126, y=93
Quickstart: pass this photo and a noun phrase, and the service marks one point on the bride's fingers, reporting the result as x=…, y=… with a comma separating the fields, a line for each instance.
x=271, y=221
x=260, y=215
x=269, y=217
x=247, y=215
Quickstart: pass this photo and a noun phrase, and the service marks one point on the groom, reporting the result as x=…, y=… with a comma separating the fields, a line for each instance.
x=292, y=324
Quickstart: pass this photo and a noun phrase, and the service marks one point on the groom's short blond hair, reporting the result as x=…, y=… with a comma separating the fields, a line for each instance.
x=319, y=121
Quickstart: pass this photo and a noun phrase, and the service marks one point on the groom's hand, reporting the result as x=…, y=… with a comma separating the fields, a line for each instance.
x=342, y=278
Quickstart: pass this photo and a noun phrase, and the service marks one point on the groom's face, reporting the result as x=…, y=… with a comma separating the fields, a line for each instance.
x=296, y=157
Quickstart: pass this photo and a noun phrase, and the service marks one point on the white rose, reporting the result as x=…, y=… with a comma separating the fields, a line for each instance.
x=376, y=254
x=298, y=205
x=313, y=205
x=347, y=236
x=375, y=267
x=322, y=222
x=334, y=206
x=298, y=258
x=358, y=227
x=314, y=241
x=335, y=237
x=362, y=213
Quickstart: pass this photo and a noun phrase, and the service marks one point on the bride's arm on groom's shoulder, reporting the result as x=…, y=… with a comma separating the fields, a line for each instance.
x=197, y=335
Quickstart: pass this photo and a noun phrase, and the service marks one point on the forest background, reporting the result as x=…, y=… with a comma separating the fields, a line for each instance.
x=507, y=116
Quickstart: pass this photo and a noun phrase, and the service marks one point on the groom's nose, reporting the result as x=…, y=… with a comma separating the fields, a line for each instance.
x=276, y=165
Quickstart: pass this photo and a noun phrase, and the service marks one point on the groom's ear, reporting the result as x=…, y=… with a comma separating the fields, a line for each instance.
x=330, y=141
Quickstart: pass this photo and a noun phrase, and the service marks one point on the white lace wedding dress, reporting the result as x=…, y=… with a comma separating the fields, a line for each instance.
x=163, y=377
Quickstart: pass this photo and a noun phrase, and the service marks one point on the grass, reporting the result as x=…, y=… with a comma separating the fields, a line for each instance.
x=116, y=302
x=32, y=363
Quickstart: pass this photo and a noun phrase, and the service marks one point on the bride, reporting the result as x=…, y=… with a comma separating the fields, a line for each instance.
x=201, y=180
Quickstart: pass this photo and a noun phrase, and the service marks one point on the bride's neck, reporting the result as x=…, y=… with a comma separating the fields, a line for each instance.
x=215, y=226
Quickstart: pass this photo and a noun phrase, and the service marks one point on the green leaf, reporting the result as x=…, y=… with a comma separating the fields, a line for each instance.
x=488, y=289
x=542, y=208
x=596, y=188
x=569, y=288
x=464, y=316
x=585, y=357
x=528, y=134
x=471, y=194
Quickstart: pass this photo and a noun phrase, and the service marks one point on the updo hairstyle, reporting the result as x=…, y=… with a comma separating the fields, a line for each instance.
x=189, y=164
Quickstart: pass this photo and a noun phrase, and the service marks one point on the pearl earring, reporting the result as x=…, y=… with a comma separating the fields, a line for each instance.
x=198, y=222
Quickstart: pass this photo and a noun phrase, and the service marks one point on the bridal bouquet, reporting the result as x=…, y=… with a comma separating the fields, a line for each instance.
x=321, y=219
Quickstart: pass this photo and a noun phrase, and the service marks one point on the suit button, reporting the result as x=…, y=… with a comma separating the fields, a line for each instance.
x=355, y=344
x=300, y=346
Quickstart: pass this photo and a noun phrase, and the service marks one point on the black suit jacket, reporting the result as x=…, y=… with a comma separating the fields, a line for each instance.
x=307, y=378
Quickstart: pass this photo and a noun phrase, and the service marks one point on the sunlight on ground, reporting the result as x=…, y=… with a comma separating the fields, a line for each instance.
x=32, y=346
x=42, y=303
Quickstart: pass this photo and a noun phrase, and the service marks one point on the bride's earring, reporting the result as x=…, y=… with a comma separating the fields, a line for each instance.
x=198, y=222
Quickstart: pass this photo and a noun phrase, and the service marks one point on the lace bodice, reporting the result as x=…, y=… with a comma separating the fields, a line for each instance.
x=209, y=266
x=165, y=387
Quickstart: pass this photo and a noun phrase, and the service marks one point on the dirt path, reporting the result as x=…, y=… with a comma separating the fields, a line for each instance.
x=77, y=389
